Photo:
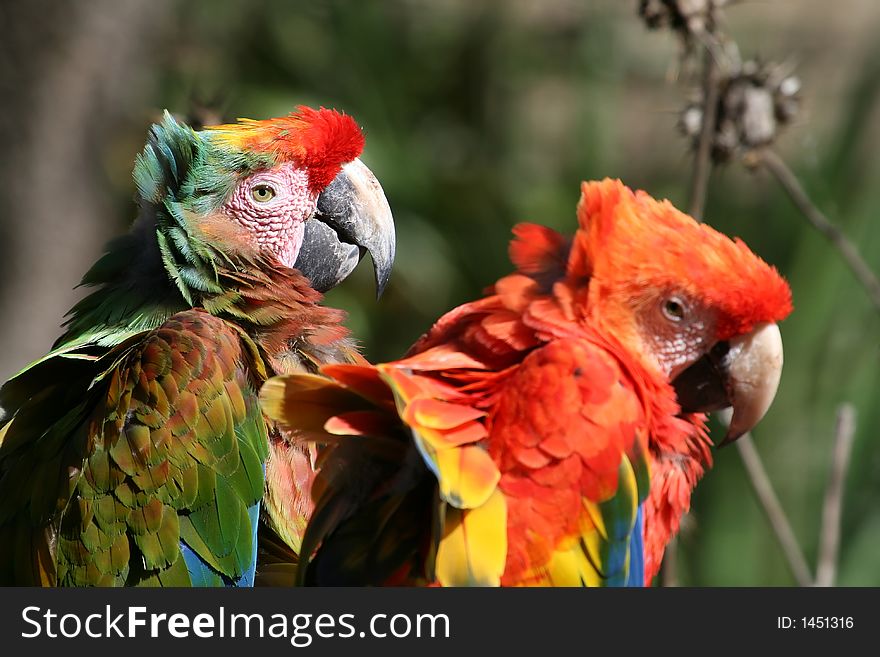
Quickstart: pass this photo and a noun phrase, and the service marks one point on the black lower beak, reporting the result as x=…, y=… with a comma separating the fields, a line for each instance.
x=703, y=387
x=353, y=217
x=324, y=258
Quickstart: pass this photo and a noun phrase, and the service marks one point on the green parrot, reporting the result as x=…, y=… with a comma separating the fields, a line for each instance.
x=135, y=453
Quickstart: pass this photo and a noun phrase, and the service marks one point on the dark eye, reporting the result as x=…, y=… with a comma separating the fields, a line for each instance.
x=262, y=193
x=673, y=309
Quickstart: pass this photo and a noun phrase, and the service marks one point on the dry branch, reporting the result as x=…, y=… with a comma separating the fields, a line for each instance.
x=789, y=182
x=829, y=537
x=760, y=482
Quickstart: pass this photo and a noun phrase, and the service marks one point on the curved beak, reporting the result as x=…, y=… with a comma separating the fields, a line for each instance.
x=353, y=217
x=743, y=373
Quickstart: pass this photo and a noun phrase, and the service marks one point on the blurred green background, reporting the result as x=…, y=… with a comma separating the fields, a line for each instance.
x=479, y=115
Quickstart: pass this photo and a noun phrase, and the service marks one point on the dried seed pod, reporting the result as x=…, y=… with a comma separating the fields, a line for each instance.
x=687, y=18
x=754, y=103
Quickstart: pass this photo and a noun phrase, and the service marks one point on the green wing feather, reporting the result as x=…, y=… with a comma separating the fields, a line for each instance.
x=109, y=459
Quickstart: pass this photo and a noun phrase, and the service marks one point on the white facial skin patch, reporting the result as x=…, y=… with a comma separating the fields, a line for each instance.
x=273, y=207
x=676, y=336
x=677, y=349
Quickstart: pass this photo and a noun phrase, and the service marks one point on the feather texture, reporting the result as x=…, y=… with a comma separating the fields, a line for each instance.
x=135, y=453
x=534, y=435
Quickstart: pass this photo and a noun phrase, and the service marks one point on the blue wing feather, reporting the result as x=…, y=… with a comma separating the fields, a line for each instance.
x=202, y=575
x=636, y=575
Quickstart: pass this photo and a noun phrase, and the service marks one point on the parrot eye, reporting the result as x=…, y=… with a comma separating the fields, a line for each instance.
x=673, y=309
x=262, y=193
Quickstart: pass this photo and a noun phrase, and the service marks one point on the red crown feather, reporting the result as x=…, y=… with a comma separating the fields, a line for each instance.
x=634, y=242
x=319, y=140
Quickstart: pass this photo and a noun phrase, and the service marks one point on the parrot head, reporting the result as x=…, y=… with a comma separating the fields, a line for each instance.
x=290, y=189
x=698, y=307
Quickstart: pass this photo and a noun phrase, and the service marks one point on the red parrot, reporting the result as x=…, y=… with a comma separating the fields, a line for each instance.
x=550, y=433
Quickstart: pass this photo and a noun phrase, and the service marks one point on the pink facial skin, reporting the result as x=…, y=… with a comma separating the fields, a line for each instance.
x=278, y=224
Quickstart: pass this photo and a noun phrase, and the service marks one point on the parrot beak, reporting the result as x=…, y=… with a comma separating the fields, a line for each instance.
x=353, y=216
x=743, y=373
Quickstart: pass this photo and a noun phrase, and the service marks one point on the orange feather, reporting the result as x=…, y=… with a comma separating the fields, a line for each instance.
x=538, y=408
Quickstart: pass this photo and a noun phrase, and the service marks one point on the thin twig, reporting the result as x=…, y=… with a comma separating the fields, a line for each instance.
x=669, y=569
x=829, y=538
x=773, y=509
x=703, y=155
x=866, y=277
